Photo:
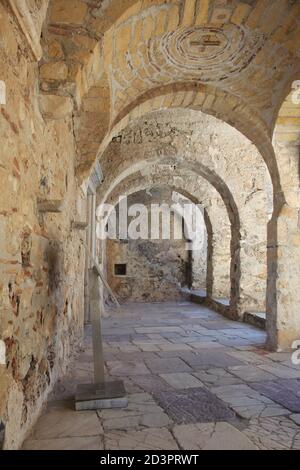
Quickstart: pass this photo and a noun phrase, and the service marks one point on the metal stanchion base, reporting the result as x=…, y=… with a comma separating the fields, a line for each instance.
x=100, y=396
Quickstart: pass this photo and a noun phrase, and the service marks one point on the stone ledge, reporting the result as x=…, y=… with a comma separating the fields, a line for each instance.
x=220, y=305
x=257, y=319
x=197, y=296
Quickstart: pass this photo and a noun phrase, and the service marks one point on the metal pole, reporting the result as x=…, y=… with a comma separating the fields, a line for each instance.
x=101, y=275
x=95, y=311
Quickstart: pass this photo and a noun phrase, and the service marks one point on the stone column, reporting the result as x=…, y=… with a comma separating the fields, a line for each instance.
x=283, y=293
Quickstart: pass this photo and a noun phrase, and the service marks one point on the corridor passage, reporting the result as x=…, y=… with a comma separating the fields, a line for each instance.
x=194, y=380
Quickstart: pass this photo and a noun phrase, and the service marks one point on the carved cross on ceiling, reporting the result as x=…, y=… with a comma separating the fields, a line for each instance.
x=206, y=40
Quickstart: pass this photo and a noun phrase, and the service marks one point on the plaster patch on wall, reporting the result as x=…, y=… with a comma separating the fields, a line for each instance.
x=2, y=353
x=2, y=92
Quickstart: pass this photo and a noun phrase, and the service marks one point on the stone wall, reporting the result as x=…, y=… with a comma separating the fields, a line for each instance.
x=156, y=270
x=41, y=258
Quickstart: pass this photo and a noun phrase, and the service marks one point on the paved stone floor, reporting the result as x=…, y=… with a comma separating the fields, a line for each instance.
x=194, y=381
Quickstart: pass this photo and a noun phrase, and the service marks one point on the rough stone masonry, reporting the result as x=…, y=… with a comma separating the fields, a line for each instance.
x=103, y=98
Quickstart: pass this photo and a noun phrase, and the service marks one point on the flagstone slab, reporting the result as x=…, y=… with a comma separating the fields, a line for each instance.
x=211, y=436
x=240, y=342
x=248, y=403
x=279, y=356
x=133, y=356
x=208, y=359
x=281, y=371
x=215, y=325
x=161, y=365
x=181, y=380
x=159, y=329
x=127, y=346
x=142, y=411
x=261, y=411
x=193, y=405
x=146, y=346
x=280, y=392
x=276, y=433
x=295, y=418
x=66, y=443
x=151, y=383
x=251, y=373
x=147, y=439
x=126, y=368
x=216, y=377
x=250, y=357
x=167, y=346
x=67, y=423
x=206, y=345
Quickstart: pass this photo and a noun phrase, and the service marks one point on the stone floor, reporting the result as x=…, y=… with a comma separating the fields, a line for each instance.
x=194, y=379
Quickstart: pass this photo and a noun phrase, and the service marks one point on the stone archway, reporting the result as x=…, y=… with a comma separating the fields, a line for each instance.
x=126, y=155
x=120, y=188
x=218, y=244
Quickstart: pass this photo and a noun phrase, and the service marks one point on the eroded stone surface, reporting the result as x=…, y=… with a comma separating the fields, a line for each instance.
x=274, y=433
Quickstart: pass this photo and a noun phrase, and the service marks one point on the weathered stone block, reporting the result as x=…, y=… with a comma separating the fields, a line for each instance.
x=54, y=71
x=68, y=11
x=55, y=107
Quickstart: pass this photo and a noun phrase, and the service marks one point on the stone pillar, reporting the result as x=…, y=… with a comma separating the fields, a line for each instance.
x=93, y=225
x=219, y=251
x=209, y=256
x=283, y=293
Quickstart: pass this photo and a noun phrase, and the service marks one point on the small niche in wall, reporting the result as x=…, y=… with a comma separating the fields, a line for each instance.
x=120, y=269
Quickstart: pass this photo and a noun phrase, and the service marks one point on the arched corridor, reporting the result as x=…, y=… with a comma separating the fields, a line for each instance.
x=150, y=157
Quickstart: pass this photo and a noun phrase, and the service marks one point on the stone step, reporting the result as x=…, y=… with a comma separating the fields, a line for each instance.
x=197, y=296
